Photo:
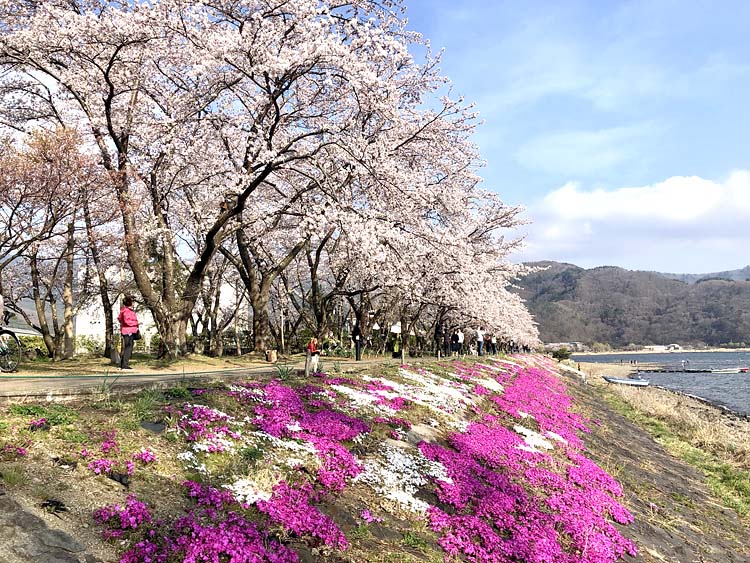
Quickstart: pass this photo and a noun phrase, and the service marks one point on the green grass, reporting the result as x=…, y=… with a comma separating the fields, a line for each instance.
x=146, y=403
x=13, y=475
x=361, y=532
x=414, y=540
x=73, y=435
x=397, y=558
x=684, y=500
x=727, y=482
x=128, y=423
x=251, y=454
x=55, y=414
x=178, y=392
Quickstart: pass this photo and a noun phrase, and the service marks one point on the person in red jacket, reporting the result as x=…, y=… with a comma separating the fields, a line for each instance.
x=128, y=327
x=313, y=355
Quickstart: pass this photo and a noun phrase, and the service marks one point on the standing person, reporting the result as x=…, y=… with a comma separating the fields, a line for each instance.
x=493, y=340
x=128, y=327
x=460, y=341
x=480, y=340
x=454, y=343
x=357, y=337
x=439, y=330
x=446, y=343
x=313, y=355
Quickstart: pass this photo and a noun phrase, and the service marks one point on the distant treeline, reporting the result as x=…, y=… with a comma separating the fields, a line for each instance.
x=623, y=307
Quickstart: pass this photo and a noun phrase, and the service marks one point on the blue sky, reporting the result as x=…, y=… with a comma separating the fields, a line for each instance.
x=636, y=111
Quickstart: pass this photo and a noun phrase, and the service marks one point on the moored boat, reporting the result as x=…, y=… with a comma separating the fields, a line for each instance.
x=626, y=381
x=730, y=370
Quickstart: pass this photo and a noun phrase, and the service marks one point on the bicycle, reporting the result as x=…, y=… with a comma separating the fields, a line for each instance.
x=10, y=350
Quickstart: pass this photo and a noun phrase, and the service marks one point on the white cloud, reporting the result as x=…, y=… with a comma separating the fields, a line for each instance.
x=683, y=224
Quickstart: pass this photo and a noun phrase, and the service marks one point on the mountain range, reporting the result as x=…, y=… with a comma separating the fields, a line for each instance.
x=622, y=307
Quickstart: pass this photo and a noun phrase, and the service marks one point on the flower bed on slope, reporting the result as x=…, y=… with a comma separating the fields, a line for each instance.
x=487, y=455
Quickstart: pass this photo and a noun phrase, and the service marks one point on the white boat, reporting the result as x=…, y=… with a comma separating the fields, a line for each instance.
x=626, y=381
x=730, y=370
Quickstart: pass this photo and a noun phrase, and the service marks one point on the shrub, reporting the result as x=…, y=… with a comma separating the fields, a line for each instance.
x=561, y=354
x=89, y=344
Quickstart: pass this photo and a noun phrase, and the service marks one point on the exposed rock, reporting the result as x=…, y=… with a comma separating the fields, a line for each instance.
x=26, y=538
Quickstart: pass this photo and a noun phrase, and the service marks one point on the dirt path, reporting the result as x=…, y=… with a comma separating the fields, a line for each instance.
x=676, y=518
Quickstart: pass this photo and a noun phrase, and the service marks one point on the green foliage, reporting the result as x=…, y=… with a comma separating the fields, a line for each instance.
x=27, y=410
x=154, y=342
x=145, y=403
x=561, y=353
x=251, y=453
x=90, y=344
x=361, y=532
x=285, y=371
x=413, y=540
x=128, y=423
x=71, y=434
x=178, y=392
x=55, y=414
x=13, y=475
x=34, y=343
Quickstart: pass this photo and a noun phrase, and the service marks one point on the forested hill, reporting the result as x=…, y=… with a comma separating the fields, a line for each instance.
x=622, y=307
x=742, y=274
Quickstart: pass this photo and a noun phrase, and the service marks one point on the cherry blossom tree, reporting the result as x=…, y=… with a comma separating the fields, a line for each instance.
x=207, y=98
x=48, y=176
x=275, y=133
x=35, y=181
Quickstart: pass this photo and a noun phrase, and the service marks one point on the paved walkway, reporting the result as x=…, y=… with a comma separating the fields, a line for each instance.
x=62, y=385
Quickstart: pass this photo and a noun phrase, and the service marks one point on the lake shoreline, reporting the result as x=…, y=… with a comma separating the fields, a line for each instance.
x=596, y=371
x=644, y=351
x=670, y=497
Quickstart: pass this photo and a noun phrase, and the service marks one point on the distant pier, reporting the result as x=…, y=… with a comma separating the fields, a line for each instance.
x=672, y=370
x=669, y=369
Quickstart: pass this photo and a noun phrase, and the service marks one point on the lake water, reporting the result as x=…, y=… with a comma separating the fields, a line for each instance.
x=729, y=390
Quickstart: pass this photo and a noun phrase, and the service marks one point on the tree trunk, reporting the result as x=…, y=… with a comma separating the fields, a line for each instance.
x=215, y=347
x=68, y=329
x=109, y=322
x=237, y=339
x=259, y=301
x=404, y=338
x=41, y=312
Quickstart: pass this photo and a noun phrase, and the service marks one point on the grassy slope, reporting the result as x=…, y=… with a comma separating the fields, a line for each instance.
x=401, y=537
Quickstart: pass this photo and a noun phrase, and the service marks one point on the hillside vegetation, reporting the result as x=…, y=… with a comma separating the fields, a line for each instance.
x=622, y=307
x=460, y=460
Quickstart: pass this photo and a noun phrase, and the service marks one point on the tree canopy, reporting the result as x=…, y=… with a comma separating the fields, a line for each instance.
x=296, y=152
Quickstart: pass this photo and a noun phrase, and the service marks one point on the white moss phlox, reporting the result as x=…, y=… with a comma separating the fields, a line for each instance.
x=398, y=475
x=533, y=439
x=247, y=491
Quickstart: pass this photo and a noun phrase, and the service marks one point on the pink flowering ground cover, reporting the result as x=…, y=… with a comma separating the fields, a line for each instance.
x=512, y=485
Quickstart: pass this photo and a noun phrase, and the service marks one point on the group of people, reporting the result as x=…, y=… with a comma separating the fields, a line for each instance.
x=455, y=344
